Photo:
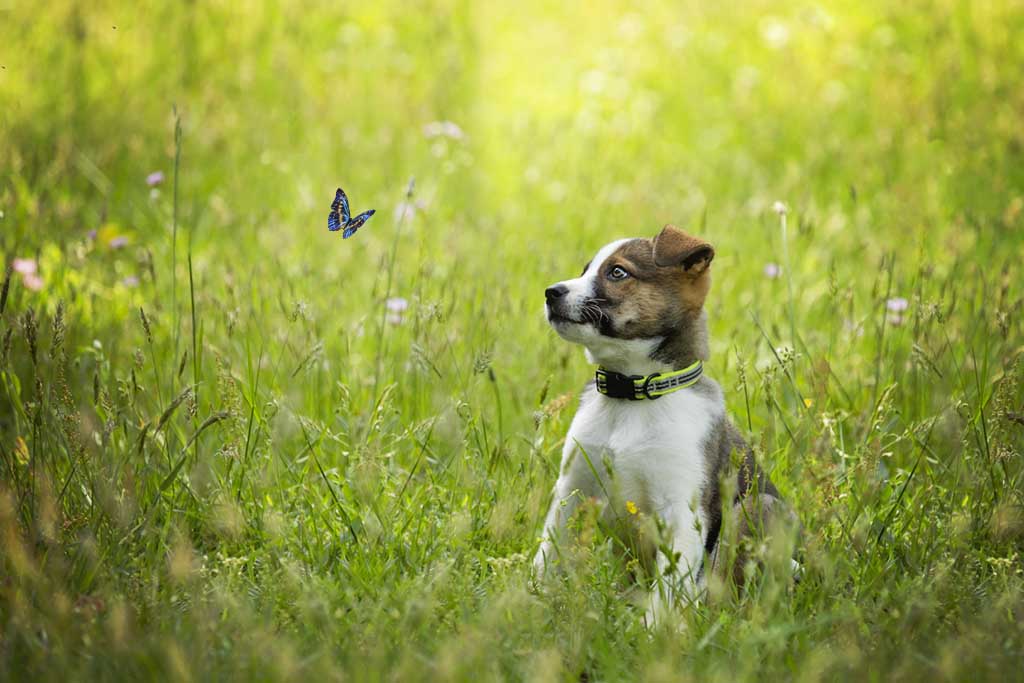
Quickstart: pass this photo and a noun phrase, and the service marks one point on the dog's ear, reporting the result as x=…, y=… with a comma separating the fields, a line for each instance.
x=673, y=247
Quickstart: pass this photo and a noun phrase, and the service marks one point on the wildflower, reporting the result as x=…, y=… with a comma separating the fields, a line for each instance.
x=631, y=507
x=897, y=304
x=130, y=281
x=33, y=282
x=397, y=304
x=772, y=270
x=91, y=235
x=24, y=266
x=155, y=178
x=775, y=33
x=119, y=242
x=445, y=129
x=808, y=402
x=780, y=208
x=405, y=210
x=28, y=269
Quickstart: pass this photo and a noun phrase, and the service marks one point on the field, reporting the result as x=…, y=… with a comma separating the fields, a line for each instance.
x=235, y=446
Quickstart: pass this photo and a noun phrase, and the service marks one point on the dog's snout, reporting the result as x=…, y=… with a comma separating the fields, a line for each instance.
x=555, y=292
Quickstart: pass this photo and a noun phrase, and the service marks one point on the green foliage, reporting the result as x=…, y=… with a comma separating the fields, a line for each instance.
x=222, y=455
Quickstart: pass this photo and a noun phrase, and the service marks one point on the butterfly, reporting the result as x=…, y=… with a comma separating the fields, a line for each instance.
x=340, y=216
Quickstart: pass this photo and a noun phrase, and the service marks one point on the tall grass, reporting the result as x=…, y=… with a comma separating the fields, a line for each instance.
x=279, y=478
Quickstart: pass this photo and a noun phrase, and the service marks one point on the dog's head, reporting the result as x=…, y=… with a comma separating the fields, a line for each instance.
x=638, y=305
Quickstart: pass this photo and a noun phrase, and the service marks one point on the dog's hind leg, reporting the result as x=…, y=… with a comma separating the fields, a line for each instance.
x=761, y=521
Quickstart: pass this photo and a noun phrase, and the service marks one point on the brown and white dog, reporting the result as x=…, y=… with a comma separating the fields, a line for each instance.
x=648, y=440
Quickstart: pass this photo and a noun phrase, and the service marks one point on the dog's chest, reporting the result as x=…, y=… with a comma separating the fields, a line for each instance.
x=656, y=449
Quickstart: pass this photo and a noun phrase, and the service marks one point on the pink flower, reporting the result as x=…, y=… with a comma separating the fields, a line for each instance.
x=91, y=235
x=33, y=282
x=119, y=242
x=772, y=270
x=155, y=178
x=894, y=319
x=25, y=266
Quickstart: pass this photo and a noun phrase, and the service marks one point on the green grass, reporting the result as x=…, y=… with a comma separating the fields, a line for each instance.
x=219, y=459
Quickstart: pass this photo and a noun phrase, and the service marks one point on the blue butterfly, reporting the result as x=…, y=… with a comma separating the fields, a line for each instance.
x=340, y=216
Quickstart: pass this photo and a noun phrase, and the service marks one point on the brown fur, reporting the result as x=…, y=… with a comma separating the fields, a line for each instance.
x=664, y=295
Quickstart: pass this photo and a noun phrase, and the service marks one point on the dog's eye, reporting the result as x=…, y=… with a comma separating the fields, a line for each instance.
x=617, y=273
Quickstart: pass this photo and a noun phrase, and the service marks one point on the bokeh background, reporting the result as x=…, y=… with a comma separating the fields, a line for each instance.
x=233, y=444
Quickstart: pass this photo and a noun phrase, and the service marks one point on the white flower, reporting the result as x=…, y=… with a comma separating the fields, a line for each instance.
x=775, y=32
x=445, y=129
x=779, y=208
x=396, y=304
x=897, y=304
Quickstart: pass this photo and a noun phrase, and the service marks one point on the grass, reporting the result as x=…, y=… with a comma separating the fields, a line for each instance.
x=222, y=456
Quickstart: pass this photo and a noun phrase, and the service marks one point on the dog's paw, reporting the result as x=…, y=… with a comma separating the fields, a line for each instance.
x=542, y=560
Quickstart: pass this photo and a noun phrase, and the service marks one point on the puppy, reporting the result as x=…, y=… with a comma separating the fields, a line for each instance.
x=651, y=437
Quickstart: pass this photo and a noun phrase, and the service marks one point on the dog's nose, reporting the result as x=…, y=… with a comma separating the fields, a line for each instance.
x=555, y=292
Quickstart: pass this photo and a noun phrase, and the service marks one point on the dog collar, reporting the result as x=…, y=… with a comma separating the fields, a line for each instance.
x=639, y=387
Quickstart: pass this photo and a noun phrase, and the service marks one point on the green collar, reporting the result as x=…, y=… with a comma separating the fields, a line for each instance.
x=639, y=387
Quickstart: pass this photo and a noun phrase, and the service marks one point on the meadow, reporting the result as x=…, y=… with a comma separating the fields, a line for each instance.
x=235, y=446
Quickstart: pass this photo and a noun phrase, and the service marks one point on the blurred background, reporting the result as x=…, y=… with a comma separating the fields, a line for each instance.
x=216, y=412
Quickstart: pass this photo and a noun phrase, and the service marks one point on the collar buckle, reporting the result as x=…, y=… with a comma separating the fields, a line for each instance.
x=646, y=389
x=617, y=385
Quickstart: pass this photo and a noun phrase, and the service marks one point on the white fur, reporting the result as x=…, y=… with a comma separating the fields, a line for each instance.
x=654, y=449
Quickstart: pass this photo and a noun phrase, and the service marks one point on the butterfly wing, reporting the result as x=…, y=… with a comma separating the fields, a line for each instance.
x=333, y=221
x=340, y=205
x=357, y=222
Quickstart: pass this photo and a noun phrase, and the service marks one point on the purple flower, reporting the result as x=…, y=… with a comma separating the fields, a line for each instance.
x=897, y=304
x=772, y=270
x=155, y=178
x=119, y=242
x=130, y=281
x=24, y=266
x=91, y=235
x=894, y=319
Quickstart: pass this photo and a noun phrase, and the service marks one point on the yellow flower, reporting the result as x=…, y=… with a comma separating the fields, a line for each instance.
x=808, y=402
x=631, y=507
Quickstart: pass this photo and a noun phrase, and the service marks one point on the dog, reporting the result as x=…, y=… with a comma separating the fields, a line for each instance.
x=651, y=439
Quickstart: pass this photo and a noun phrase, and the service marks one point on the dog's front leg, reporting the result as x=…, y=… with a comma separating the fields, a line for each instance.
x=575, y=484
x=679, y=562
x=566, y=499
